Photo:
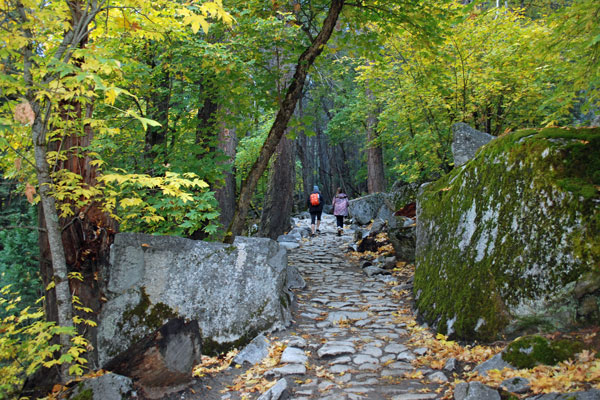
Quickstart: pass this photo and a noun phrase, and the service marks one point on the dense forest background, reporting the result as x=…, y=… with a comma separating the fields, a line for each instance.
x=149, y=116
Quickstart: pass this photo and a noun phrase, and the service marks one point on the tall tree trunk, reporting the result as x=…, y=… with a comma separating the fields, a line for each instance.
x=279, y=126
x=62, y=294
x=155, y=149
x=70, y=244
x=303, y=150
x=325, y=175
x=225, y=194
x=375, y=170
x=279, y=201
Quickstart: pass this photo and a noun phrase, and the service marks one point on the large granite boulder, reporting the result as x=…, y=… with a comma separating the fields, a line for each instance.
x=364, y=209
x=233, y=291
x=513, y=237
x=466, y=141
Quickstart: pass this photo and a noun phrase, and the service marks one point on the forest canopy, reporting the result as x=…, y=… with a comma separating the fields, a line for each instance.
x=151, y=116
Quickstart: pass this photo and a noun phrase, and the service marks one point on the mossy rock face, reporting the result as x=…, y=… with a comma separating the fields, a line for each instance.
x=529, y=351
x=505, y=239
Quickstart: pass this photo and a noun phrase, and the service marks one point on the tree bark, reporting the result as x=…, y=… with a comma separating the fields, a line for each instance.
x=155, y=149
x=279, y=201
x=279, y=126
x=375, y=169
x=64, y=308
x=65, y=252
x=225, y=194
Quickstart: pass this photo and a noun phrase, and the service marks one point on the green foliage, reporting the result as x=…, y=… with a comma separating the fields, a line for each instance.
x=174, y=204
x=529, y=351
x=18, y=245
x=27, y=344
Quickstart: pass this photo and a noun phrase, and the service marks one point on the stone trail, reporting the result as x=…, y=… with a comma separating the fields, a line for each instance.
x=346, y=333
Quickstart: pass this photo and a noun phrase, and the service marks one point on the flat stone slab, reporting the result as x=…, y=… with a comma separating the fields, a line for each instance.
x=363, y=359
x=396, y=348
x=291, y=369
x=293, y=355
x=335, y=350
x=339, y=316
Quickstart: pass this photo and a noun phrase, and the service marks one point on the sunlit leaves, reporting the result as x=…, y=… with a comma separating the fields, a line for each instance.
x=169, y=204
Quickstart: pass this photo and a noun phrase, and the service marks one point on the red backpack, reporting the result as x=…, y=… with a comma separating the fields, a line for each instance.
x=314, y=199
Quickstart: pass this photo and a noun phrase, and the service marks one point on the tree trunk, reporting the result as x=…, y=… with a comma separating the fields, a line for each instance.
x=225, y=194
x=279, y=201
x=303, y=150
x=284, y=114
x=375, y=170
x=71, y=244
x=64, y=310
x=155, y=149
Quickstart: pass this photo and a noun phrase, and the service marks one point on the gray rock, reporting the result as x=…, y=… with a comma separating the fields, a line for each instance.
x=378, y=226
x=466, y=141
x=387, y=215
x=339, y=316
x=495, y=362
x=421, y=351
x=339, y=368
x=363, y=359
x=475, y=391
x=297, y=341
x=515, y=385
x=364, y=209
x=303, y=232
x=289, y=238
x=335, y=350
x=438, y=376
x=107, y=387
x=360, y=234
x=403, y=240
x=254, y=352
x=289, y=245
x=396, y=348
x=372, y=270
x=502, y=206
x=406, y=356
x=290, y=369
x=293, y=355
x=279, y=391
x=294, y=279
x=450, y=365
x=231, y=290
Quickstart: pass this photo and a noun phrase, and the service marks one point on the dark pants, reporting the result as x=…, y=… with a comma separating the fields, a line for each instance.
x=340, y=221
x=315, y=215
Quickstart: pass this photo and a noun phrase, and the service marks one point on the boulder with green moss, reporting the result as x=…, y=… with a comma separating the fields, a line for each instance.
x=529, y=351
x=511, y=240
x=233, y=292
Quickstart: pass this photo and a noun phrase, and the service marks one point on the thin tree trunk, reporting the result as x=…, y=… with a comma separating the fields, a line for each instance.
x=53, y=231
x=281, y=120
x=375, y=170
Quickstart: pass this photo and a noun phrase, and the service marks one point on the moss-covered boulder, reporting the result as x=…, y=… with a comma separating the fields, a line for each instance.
x=511, y=239
x=529, y=351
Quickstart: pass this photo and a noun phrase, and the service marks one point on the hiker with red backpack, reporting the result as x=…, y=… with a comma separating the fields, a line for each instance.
x=340, y=209
x=315, y=207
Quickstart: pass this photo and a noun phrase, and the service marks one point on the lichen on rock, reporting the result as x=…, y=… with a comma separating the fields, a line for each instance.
x=507, y=237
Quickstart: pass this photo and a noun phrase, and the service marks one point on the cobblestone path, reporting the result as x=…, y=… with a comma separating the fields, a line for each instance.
x=345, y=331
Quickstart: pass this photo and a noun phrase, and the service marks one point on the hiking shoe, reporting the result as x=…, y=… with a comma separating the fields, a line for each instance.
x=318, y=231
